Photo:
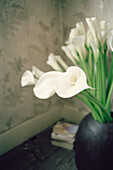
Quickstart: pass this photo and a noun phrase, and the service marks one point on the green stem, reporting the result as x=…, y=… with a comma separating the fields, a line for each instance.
x=93, y=111
x=108, y=102
x=93, y=99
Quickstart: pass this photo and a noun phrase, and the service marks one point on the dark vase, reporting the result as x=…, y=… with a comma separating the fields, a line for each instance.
x=94, y=145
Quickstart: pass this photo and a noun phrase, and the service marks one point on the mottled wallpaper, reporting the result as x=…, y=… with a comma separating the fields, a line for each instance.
x=29, y=31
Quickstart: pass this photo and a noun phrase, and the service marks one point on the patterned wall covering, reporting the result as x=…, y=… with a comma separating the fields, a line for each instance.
x=29, y=31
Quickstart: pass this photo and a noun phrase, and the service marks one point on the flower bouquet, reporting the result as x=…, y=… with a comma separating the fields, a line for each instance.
x=89, y=78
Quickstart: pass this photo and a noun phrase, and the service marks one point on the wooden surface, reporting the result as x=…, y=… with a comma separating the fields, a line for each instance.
x=38, y=154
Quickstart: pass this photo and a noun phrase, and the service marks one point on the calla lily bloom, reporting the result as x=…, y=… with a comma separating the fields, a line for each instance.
x=53, y=63
x=45, y=87
x=91, y=43
x=79, y=44
x=93, y=28
x=80, y=27
x=111, y=41
x=104, y=31
x=79, y=30
x=72, y=82
x=72, y=50
x=36, y=72
x=27, y=79
x=68, y=54
x=61, y=62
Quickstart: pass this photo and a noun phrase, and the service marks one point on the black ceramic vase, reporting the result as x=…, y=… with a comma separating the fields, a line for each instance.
x=94, y=145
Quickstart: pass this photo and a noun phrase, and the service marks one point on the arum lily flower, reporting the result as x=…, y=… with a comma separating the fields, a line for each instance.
x=27, y=79
x=72, y=50
x=68, y=54
x=72, y=35
x=91, y=43
x=53, y=63
x=45, y=87
x=36, y=72
x=72, y=82
x=61, y=62
x=111, y=41
x=79, y=30
x=79, y=44
x=93, y=28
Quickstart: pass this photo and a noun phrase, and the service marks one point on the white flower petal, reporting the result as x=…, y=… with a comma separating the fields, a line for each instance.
x=73, y=33
x=61, y=62
x=110, y=42
x=79, y=44
x=53, y=63
x=27, y=79
x=68, y=54
x=103, y=25
x=71, y=83
x=36, y=72
x=80, y=28
x=93, y=28
x=95, y=49
x=45, y=87
x=72, y=50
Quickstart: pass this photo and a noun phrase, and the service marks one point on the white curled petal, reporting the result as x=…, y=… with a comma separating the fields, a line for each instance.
x=79, y=44
x=61, y=62
x=36, y=72
x=72, y=50
x=80, y=28
x=104, y=25
x=92, y=23
x=27, y=79
x=73, y=33
x=110, y=41
x=71, y=83
x=53, y=63
x=45, y=87
x=68, y=54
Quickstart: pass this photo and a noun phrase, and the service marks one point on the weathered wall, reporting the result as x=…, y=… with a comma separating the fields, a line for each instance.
x=29, y=31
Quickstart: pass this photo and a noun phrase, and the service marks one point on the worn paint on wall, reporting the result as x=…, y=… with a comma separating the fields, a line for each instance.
x=28, y=33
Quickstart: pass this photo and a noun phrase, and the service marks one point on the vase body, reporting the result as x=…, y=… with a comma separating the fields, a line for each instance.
x=94, y=145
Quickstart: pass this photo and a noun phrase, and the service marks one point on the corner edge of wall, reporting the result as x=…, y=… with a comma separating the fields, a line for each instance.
x=26, y=130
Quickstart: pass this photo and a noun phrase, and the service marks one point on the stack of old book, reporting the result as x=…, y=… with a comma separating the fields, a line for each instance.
x=63, y=134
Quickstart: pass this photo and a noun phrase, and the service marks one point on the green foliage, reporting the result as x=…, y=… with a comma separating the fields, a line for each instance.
x=99, y=98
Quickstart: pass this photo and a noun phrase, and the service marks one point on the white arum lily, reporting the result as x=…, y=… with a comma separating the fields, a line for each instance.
x=91, y=43
x=68, y=54
x=93, y=28
x=72, y=50
x=61, y=62
x=53, y=63
x=45, y=87
x=104, y=31
x=111, y=41
x=73, y=34
x=27, y=79
x=79, y=30
x=36, y=72
x=72, y=82
x=79, y=44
